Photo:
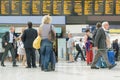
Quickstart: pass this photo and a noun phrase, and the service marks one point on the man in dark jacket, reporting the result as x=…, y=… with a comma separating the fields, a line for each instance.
x=7, y=43
x=28, y=37
x=101, y=46
x=116, y=48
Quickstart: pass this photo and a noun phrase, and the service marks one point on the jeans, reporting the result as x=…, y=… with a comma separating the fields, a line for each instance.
x=45, y=51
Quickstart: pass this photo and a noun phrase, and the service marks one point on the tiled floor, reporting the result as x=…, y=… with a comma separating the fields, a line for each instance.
x=64, y=71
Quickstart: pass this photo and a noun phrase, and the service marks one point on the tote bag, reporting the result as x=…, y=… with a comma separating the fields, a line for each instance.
x=37, y=42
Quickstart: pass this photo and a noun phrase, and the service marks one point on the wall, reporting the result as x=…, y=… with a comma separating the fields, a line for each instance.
x=25, y=19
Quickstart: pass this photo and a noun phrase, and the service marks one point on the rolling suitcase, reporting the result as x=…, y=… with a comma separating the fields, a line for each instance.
x=111, y=57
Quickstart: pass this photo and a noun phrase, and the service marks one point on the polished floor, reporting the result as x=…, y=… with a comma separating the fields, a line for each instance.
x=64, y=71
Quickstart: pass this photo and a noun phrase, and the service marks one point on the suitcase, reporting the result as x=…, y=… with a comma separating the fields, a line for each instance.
x=111, y=57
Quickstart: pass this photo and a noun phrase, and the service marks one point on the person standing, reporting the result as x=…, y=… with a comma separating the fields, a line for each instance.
x=46, y=49
x=70, y=47
x=88, y=47
x=28, y=37
x=21, y=50
x=101, y=46
x=8, y=44
x=116, y=48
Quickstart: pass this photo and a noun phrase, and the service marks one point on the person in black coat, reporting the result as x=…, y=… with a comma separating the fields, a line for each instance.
x=8, y=44
x=28, y=37
x=116, y=48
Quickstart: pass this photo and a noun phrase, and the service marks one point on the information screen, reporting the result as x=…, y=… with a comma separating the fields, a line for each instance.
x=78, y=7
x=68, y=7
x=99, y=7
x=109, y=7
x=46, y=9
x=57, y=7
x=88, y=7
x=36, y=7
x=117, y=7
x=5, y=7
x=25, y=7
x=15, y=7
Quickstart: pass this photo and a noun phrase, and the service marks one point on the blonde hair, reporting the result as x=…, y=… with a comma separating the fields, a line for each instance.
x=46, y=19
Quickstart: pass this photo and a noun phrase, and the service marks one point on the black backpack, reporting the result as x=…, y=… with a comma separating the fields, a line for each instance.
x=78, y=47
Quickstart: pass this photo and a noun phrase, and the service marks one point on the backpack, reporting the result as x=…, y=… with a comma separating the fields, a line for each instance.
x=78, y=47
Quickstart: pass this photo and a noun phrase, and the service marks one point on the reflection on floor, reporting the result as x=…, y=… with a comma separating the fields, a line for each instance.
x=64, y=71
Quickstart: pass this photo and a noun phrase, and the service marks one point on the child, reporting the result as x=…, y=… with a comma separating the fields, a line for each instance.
x=21, y=50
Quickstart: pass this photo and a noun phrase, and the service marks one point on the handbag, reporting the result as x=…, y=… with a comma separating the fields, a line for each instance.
x=37, y=42
x=51, y=35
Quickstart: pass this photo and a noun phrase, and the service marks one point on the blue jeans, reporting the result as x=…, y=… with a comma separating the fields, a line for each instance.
x=46, y=50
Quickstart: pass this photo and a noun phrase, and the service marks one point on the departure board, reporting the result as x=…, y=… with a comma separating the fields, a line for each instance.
x=46, y=9
x=26, y=7
x=88, y=7
x=78, y=7
x=57, y=7
x=117, y=7
x=109, y=5
x=5, y=7
x=36, y=7
x=99, y=7
x=15, y=7
x=68, y=7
